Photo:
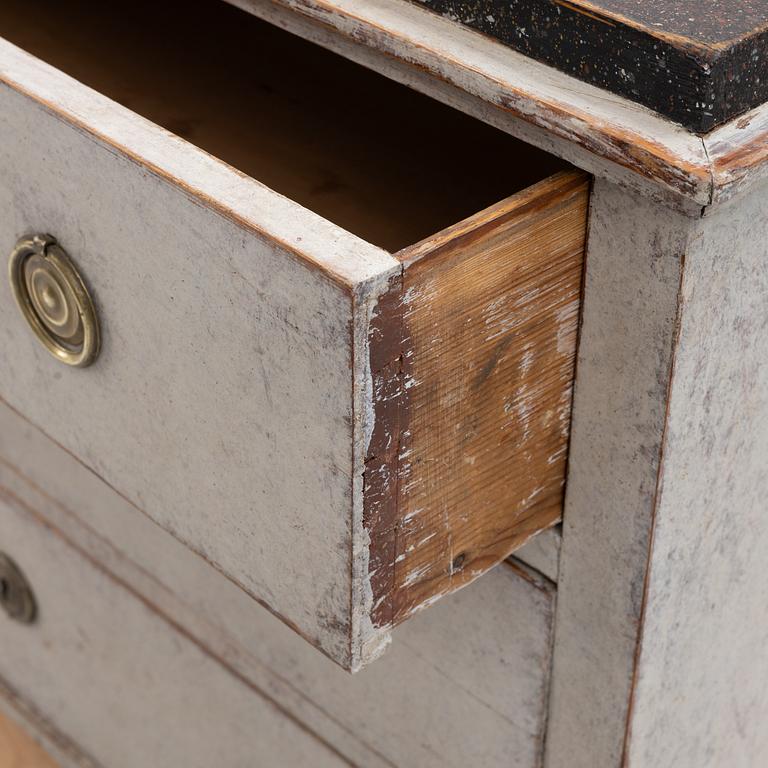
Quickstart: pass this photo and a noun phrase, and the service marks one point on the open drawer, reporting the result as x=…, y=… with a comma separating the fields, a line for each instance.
x=347, y=425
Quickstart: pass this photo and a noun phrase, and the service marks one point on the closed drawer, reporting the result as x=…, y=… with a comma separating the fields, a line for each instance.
x=481, y=658
x=119, y=680
x=346, y=425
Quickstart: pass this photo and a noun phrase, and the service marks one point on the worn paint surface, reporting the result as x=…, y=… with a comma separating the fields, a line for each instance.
x=117, y=678
x=243, y=384
x=258, y=362
x=661, y=606
x=295, y=129
x=633, y=272
x=700, y=695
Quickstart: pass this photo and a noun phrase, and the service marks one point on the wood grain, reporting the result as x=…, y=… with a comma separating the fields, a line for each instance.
x=19, y=750
x=478, y=412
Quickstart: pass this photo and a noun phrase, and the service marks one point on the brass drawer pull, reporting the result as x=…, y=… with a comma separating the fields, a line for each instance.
x=16, y=596
x=54, y=300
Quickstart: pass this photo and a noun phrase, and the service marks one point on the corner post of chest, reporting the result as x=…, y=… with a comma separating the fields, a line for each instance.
x=662, y=567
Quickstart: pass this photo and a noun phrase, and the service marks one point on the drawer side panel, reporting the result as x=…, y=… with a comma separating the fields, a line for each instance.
x=476, y=450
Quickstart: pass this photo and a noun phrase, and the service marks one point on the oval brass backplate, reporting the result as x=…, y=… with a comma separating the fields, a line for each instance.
x=54, y=300
x=16, y=596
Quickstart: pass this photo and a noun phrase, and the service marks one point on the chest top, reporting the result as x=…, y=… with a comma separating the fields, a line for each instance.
x=698, y=62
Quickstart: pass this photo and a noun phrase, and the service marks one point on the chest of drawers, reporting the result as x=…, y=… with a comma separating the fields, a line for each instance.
x=322, y=321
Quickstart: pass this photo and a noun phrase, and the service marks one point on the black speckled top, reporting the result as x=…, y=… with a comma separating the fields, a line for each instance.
x=698, y=62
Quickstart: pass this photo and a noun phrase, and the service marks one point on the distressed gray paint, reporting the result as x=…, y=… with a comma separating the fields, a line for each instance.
x=124, y=683
x=661, y=624
x=633, y=272
x=59, y=747
x=701, y=696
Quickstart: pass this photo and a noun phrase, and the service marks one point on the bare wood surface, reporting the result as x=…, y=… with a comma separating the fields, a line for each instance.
x=478, y=447
x=19, y=750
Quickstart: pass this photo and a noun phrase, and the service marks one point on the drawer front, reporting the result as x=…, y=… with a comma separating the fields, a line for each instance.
x=346, y=434
x=222, y=403
x=120, y=680
x=465, y=683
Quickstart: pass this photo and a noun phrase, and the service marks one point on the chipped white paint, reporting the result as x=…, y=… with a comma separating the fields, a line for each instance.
x=253, y=378
x=701, y=693
x=738, y=152
x=480, y=657
x=630, y=304
x=367, y=642
x=660, y=575
x=351, y=260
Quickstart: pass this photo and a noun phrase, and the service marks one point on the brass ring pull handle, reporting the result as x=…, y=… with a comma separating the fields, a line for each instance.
x=54, y=300
x=16, y=596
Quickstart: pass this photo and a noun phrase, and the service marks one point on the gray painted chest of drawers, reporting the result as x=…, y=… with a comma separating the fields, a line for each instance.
x=339, y=337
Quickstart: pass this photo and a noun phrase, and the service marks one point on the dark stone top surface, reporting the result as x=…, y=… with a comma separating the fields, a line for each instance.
x=698, y=62
x=706, y=21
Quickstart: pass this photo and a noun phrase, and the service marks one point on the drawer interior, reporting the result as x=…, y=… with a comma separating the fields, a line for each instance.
x=373, y=156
